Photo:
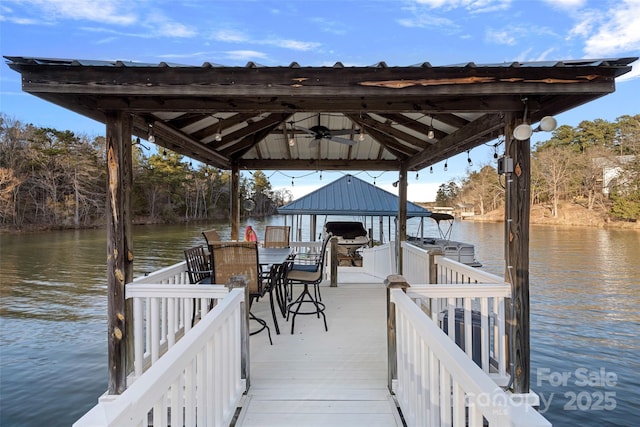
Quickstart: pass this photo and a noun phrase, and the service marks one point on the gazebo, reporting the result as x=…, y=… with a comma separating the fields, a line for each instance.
x=379, y=117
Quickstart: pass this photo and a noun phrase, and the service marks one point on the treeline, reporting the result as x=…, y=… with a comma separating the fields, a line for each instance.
x=596, y=165
x=51, y=178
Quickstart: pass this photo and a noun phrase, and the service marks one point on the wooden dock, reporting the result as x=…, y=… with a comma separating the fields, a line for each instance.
x=318, y=378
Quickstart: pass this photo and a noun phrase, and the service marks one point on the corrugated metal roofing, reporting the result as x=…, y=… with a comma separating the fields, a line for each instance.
x=350, y=196
x=512, y=64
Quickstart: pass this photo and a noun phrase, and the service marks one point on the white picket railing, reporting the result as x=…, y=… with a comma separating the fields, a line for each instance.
x=198, y=381
x=415, y=264
x=437, y=383
x=163, y=314
x=474, y=318
x=450, y=271
x=165, y=306
x=471, y=300
x=379, y=261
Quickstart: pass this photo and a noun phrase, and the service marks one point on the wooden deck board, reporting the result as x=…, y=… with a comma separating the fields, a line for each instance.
x=318, y=378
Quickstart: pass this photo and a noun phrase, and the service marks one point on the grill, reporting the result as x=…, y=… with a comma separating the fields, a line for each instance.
x=351, y=235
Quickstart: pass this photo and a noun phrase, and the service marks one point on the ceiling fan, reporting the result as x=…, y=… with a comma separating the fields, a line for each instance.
x=320, y=132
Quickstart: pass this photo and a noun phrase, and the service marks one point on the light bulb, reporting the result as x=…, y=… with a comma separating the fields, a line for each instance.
x=431, y=134
x=292, y=142
x=445, y=166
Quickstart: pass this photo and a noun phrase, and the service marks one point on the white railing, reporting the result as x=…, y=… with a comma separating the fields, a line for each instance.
x=379, y=261
x=473, y=316
x=198, y=381
x=415, y=264
x=437, y=383
x=163, y=314
x=450, y=271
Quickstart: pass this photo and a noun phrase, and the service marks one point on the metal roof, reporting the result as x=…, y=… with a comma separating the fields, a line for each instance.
x=350, y=196
x=256, y=117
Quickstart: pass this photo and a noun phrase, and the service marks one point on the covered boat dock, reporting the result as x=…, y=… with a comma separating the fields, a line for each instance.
x=380, y=117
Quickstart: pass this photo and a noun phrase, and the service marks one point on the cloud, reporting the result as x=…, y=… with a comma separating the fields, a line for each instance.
x=234, y=36
x=504, y=37
x=245, y=55
x=617, y=31
x=229, y=36
x=117, y=12
x=566, y=4
x=472, y=6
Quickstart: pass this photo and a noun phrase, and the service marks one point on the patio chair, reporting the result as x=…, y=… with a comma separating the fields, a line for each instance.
x=198, y=269
x=307, y=275
x=240, y=258
x=276, y=236
x=211, y=236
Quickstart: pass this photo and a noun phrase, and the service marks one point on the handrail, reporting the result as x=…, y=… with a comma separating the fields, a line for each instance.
x=162, y=314
x=475, y=319
x=415, y=263
x=437, y=382
x=197, y=382
x=450, y=271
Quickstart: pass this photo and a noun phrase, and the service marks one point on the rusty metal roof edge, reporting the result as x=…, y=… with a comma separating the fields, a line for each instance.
x=599, y=62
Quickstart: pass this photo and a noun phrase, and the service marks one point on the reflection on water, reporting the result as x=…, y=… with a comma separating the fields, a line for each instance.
x=584, y=315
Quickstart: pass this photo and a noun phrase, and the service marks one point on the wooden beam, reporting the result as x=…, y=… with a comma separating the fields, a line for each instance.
x=318, y=164
x=243, y=139
x=386, y=141
x=235, y=201
x=458, y=141
x=517, y=212
x=119, y=245
x=402, y=212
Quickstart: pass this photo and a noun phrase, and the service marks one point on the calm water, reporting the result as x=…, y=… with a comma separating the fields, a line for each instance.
x=585, y=294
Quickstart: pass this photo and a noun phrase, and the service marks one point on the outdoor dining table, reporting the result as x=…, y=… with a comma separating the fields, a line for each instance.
x=273, y=262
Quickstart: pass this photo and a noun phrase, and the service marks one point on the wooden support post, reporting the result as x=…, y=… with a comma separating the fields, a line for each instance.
x=334, y=262
x=119, y=248
x=235, y=201
x=517, y=211
x=433, y=266
x=240, y=281
x=392, y=282
x=402, y=212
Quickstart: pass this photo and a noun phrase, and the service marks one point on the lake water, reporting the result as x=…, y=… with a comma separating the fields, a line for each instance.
x=585, y=295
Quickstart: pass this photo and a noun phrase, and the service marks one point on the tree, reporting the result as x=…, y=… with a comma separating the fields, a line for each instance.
x=447, y=194
x=483, y=189
x=554, y=169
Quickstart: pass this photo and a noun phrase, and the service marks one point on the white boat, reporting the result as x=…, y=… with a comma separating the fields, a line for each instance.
x=458, y=251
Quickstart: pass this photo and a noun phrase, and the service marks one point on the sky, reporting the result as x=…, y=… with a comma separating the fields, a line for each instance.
x=321, y=33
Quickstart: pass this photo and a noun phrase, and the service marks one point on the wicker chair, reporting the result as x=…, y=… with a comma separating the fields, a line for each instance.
x=211, y=236
x=199, y=271
x=240, y=258
x=276, y=236
x=307, y=275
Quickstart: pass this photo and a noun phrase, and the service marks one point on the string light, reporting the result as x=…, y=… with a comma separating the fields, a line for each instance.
x=469, y=159
x=218, y=135
x=151, y=138
x=431, y=169
x=417, y=175
x=431, y=134
x=361, y=135
x=445, y=165
x=292, y=138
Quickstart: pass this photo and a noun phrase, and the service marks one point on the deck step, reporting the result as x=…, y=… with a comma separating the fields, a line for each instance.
x=262, y=412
